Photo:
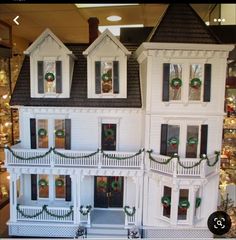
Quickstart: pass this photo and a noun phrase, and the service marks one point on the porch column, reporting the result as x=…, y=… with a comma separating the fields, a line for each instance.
x=76, y=197
x=138, y=201
x=192, y=200
x=13, y=197
x=174, y=204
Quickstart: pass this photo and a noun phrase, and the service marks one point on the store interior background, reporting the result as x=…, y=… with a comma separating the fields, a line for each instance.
x=69, y=23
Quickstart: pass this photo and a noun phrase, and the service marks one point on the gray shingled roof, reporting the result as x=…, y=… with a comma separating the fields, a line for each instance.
x=181, y=24
x=21, y=93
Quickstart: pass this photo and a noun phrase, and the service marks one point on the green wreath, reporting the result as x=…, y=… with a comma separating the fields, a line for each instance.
x=198, y=202
x=106, y=77
x=109, y=132
x=176, y=83
x=102, y=184
x=49, y=77
x=166, y=201
x=59, y=182
x=43, y=183
x=192, y=141
x=42, y=132
x=173, y=141
x=195, y=83
x=184, y=204
x=60, y=133
x=115, y=185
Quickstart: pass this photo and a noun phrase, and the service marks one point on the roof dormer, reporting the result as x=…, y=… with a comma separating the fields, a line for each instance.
x=107, y=67
x=51, y=67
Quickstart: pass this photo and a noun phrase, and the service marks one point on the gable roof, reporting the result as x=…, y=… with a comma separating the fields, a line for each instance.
x=78, y=95
x=47, y=32
x=181, y=24
x=106, y=33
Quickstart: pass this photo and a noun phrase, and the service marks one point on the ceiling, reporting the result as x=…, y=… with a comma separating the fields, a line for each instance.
x=69, y=23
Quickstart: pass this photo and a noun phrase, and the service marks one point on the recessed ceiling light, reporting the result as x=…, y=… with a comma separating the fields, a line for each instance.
x=114, y=18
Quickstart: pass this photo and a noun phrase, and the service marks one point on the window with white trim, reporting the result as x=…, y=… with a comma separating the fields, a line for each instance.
x=166, y=201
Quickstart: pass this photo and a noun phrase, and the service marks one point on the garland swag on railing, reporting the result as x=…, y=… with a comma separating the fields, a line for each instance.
x=44, y=209
x=203, y=157
x=48, y=152
x=122, y=158
x=130, y=211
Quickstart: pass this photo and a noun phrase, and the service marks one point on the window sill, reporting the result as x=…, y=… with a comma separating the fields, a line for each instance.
x=204, y=104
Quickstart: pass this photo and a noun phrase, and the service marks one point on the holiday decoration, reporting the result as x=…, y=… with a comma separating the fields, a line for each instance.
x=116, y=185
x=59, y=182
x=176, y=83
x=166, y=201
x=60, y=133
x=173, y=141
x=195, y=83
x=192, y=141
x=49, y=77
x=85, y=210
x=198, y=202
x=184, y=204
x=42, y=132
x=129, y=211
x=43, y=182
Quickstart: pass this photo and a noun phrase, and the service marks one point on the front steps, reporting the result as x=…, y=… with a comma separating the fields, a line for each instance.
x=102, y=231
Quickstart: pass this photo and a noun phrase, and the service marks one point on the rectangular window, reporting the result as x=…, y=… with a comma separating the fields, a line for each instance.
x=49, y=76
x=107, y=76
x=108, y=137
x=175, y=81
x=195, y=82
x=43, y=186
x=59, y=132
x=192, y=141
x=42, y=127
x=172, y=139
x=60, y=186
x=166, y=201
x=183, y=204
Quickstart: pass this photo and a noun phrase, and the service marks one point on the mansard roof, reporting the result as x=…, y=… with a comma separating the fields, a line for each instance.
x=181, y=24
x=78, y=96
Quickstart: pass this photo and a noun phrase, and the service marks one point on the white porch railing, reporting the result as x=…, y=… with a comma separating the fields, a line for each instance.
x=69, y=158
x=129, y=220
x=29, y=211
x=175, y=169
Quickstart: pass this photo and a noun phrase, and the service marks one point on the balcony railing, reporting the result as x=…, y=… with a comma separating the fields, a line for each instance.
x=69, y=158
x=176, y=166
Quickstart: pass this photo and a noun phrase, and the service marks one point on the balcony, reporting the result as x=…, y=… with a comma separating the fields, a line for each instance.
x=68, y=158
x=175, y=166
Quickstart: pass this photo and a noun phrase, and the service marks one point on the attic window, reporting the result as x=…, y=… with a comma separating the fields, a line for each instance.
x=49, y=76
x=107, y=77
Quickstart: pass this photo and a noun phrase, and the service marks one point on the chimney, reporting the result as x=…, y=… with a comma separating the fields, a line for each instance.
x=93, y=28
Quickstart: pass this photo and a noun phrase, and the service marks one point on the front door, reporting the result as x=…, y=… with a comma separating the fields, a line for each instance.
x=108, y=191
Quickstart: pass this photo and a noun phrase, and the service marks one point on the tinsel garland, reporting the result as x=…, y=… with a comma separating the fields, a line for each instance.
x=203, y=157
x=44, y=209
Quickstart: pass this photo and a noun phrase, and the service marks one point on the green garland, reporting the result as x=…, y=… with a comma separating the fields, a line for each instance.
x=203, y=157
x=122, y=158
x=86, y=212
x=184, y=204
x=166, y=201
x=74, y=157
x=44, y=209
x=198, y=202
x=130, y=214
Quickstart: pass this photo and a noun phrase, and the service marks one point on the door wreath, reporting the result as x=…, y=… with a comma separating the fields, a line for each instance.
x=195, y=83
x=49, y=77
x=43, y=183
x=176, y=83
x=42, y=132
x=166, y=201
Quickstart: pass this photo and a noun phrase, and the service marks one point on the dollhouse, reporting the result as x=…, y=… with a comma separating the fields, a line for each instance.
x=115, y=135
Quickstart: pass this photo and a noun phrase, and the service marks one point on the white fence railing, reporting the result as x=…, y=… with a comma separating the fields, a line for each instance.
x=129, y=220
x=33, y=213
x=69, y=158
x=174, y=168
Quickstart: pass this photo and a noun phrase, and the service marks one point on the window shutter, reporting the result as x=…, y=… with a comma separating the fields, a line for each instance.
x=67, y=133
x=203, y=146
x=116, y=76
x=207, y=83
x=40, y=77
x=164, y=132
x=97, y=77
x=58, y=77
x=166, y=76
x=68, y=188
x=33, y=133
x=33, y=186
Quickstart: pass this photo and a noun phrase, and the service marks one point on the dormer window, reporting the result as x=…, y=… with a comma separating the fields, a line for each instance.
x=49, y=76
x=107, y=67
x=107, y=77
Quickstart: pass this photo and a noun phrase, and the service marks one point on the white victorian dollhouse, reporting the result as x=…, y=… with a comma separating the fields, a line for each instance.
x=115, y=134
